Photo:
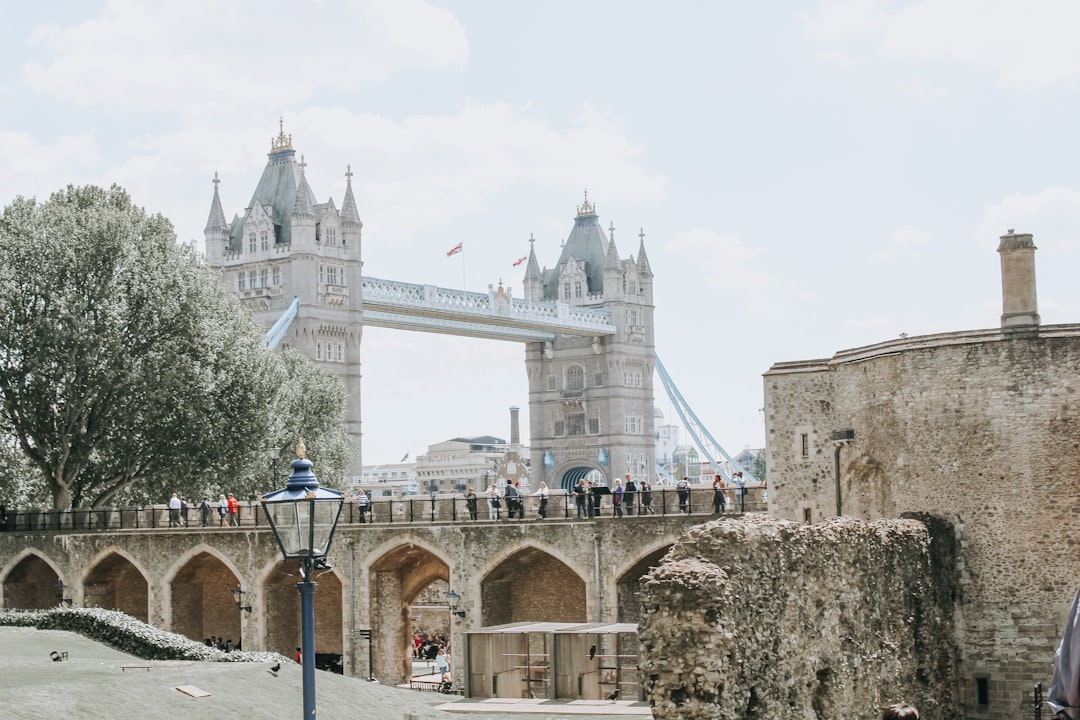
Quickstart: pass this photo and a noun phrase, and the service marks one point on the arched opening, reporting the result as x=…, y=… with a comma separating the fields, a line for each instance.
x=202, y=601
x=32, y=585
x=397, y=580
x=627, y=586
x=429, y=614
x=116, y=584
x=571, y=476
x=532, y=585
x=283, y=629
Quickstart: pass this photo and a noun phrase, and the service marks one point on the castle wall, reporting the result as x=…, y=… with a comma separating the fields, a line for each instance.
x=980, y=427
x=764, y=618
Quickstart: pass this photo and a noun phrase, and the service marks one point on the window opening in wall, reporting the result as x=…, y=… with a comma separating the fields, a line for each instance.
x=805, y=440
x=575, y=378
x=264, y=241
x=251, y=242
x=551, y=382
x=806, y=516
x=240, y=281
x=982, y=690
x=277, y=276
x=318, y=351
x=576, y=424
x=598, y=380
x=560, y=428
x=594, y=426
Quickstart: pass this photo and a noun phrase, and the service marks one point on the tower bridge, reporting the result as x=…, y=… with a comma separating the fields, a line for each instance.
x=586, y=322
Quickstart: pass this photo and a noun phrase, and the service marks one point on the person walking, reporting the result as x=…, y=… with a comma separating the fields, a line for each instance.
x=542, y=493
x=646, y=498
x=594, y=506
x=629, y=495
x=223, y=510
x=234, y=511
x=616, y=499
x=513, y=501
x=204, y=512
x=174, y=511
x=581, y=498
x=185, y=508
x=718, y=501
x=682, y=489
x=470, y=503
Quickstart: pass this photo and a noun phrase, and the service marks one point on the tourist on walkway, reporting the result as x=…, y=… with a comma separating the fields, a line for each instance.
x=719, y=503
x=223, y=510
x=646, y=498
x=581, y=498
x=470, y=503
x=185, y=507
x=494, y=502
x=542, y=493
x=682, y=489
x=204, y=511
x=363, y=504
x=740, y=491
x=442, y=662
x=616, y=499
x=234, y=511
x=628, y=496
x=594, y=506
x=174, y=511
x=513, y=501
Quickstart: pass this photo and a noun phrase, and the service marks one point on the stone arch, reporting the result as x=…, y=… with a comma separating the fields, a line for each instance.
x=399, y=571
x=30, y=581
x=567, y=474
x=628, y=577
x=199, y=601
x=530, y=582
x=113, y=580
x=279, y=604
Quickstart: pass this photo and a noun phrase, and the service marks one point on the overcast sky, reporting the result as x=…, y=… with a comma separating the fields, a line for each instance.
x=809, y=177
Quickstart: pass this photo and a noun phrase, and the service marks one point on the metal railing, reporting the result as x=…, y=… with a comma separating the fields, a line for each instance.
x=405, y=510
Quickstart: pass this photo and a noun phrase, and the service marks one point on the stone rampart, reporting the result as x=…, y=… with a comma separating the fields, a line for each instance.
x=767, y=619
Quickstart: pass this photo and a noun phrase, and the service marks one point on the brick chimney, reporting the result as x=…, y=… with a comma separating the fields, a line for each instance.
x=515, y=432
x=1020, y=309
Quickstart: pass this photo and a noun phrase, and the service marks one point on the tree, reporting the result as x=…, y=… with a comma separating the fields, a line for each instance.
x=121, y=356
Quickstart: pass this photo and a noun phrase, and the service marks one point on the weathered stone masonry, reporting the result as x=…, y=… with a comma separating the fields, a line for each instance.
x=761, y=618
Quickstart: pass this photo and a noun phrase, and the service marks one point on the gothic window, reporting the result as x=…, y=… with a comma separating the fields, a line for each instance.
x=560, y=428
x=340, y=352
x=566, y=291
x=240, y=281
x=551, y=382
x=575, y=424
x=318, y=351
x=632, y=286
x=264, y=241
x=318, y=233
x=594, y=426
x=598, y=380
x=577, y=290
x=331, y=236
x=251, y=280
x=331, y=275
x=575, y=378
x=264, y=278
x=251, y=242
x=277, y=277
x=633, y=424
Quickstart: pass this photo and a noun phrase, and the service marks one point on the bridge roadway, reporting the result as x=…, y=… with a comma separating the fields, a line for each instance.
x=185, y=579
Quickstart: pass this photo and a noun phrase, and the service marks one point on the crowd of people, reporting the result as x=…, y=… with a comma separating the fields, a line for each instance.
x=224, y=512
x=626, y=497
x=222, y=644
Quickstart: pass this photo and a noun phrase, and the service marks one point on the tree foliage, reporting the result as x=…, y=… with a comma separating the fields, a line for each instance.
x=125, y=367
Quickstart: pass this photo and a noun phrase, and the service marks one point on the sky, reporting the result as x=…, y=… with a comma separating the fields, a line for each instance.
x=809, y=177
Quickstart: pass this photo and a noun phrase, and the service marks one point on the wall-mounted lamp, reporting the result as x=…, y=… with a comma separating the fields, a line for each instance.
x=453, y=600
x=238, y=598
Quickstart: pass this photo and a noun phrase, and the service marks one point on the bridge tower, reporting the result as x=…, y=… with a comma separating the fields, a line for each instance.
x=591, y=399
x=288, y=244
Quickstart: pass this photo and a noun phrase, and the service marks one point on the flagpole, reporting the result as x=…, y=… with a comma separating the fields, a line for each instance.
x=463, y=285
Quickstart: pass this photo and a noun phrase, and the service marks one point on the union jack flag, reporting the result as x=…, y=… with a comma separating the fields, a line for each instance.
x=455, y=250
x=520, y=260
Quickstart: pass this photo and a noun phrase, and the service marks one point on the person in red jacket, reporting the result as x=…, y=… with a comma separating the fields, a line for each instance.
x=234, y=511
x=299, y=657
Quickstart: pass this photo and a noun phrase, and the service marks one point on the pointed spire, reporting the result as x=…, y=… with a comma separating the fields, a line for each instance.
x=216, y=220
x=643, y=260
x=532, y=269
x=349, y=213
x=611, y=259
x=302, y=205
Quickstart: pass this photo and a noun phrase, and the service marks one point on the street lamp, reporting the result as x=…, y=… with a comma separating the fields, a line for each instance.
x=302, y=517
x=453, y=600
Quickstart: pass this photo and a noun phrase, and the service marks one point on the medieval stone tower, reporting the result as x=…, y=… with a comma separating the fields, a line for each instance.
x=286, y=245
x=591, y=399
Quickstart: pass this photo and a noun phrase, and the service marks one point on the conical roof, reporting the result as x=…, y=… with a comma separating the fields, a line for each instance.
x=216, y=220
x=586, y=243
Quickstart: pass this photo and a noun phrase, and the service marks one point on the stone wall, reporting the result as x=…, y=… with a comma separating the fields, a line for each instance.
x=760, y=618
x=980, y=427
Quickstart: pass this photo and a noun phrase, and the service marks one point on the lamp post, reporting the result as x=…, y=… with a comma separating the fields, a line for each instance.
x=303, y=517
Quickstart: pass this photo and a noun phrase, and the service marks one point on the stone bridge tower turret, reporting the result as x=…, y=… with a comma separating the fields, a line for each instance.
x=591, y=399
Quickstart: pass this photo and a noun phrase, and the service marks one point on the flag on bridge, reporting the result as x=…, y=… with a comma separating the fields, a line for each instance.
x=455, y=250
x=404, y=458
x=520, y=260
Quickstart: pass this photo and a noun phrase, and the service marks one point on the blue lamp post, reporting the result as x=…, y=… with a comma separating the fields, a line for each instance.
x=303, y=516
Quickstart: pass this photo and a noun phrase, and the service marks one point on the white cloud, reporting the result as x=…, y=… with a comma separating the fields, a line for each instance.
x=1029, y=45
x=1052, y=215
x=905, y=243
x=206, y=57
x=30, y=166
x=729, y=265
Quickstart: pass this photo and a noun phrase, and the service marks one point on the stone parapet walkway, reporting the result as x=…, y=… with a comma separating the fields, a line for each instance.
x=507, y=706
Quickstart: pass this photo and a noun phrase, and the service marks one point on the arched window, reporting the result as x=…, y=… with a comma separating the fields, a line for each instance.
x=575, y=378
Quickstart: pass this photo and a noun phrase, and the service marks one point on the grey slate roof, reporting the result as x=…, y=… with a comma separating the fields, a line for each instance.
x=587, y=243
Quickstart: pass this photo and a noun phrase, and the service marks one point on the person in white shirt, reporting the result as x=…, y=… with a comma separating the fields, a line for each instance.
x=494, y=502
x=542, y=493
x=174, y=511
